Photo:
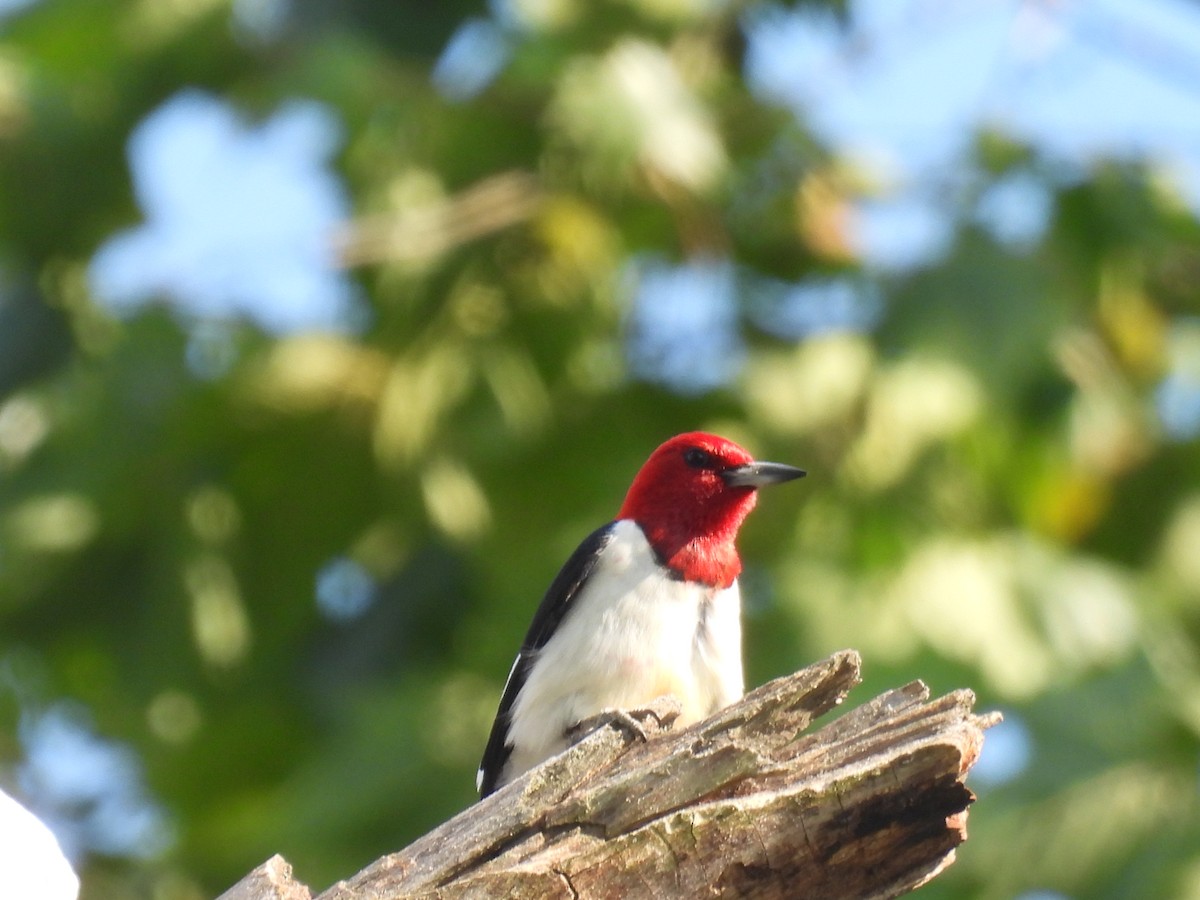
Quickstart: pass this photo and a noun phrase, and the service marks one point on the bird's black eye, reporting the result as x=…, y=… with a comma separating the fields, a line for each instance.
x=697, y=458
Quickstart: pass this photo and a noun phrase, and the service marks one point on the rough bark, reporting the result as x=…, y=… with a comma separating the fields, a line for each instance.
x=271, y=881
x=741, y=804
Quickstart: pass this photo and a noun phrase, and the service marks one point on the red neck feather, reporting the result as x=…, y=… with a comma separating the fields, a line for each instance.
x=693, y=539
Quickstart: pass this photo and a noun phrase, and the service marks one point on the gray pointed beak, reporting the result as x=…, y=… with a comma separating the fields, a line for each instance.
x=758, y=474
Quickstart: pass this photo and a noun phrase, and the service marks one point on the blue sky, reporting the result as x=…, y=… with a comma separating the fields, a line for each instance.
x=906, y=88
x=239, y=218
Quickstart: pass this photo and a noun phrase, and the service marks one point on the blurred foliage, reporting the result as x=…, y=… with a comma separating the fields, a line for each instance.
x=992, y=501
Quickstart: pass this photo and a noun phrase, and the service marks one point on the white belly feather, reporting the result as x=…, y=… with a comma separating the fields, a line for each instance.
x=633, y=634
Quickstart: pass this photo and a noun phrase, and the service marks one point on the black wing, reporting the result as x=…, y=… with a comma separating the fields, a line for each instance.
x=546, y=620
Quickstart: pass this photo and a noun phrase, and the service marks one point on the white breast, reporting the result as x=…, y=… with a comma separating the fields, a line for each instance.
x=633, y=633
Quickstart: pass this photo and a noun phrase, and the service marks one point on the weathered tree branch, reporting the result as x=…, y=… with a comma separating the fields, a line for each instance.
x=871, y=805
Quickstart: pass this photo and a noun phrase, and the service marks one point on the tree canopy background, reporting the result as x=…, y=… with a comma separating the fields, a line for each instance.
x=328, y=329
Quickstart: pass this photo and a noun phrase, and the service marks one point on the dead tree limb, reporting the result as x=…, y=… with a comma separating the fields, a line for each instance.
x=871, y=805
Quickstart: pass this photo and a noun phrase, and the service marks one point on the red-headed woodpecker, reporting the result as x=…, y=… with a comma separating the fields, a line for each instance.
x=647, y=605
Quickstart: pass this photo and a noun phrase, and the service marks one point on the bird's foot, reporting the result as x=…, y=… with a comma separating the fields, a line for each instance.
x=629, y=720
x=637, y=722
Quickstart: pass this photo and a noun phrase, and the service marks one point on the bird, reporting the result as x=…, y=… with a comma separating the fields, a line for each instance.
x=647, y=605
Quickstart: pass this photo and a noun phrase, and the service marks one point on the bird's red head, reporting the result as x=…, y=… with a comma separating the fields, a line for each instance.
x=691, y=497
